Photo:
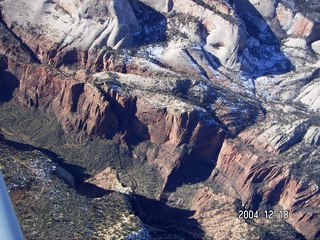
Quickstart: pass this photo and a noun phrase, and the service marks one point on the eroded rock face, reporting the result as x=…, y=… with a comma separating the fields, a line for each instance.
x=263, y=168
x=293, y=23
x=78, y=106
x=299, y=87
x=259, y=181
x=179, y=131
x=316, y=46
x=108, y=180
x=66, y=31
x=215, y=220
x=182, y=132
x=305, y=218
x=296, y=24
x=313, y=136
x=161, y=6
x=224, y=40
x=176, y=106
x=310, y=96
x=281, y=138
x=247, y=170
x=182, y=137
x=89, y=26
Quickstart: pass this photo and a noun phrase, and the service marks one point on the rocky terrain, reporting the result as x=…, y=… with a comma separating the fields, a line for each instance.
x=167, y=119
x=39, y=196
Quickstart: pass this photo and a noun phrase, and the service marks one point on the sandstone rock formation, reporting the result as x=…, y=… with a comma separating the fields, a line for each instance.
x=215, y=218
x=224, y=40
x=161, y=6
x=223, y=107
x=109, y=180
x=316, y=46
x=67, y=99
x=312, y=136
x=70, y=30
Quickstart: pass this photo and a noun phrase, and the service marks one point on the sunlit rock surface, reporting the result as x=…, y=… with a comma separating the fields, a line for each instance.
x=191, y=110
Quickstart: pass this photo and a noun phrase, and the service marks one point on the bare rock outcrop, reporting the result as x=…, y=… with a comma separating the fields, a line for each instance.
x=215, y=211
x=108, y=179
x=11, y=47
x=280, y=138
x=177, y=128
x=259, y=181
x=310, y=95
x=161, y=6
x=66, y=31
x=90, y=26
x=110, y=103
x=313, y=136
x=296, y=24
x=293, y=23
x=182, y=137
x=263, y=169
x=249, y=171
x=79, y=106
x=224, y=40
x=182, y=107
x=103, y=108
x=300, y=87
x=316, y=46
x=303, y=200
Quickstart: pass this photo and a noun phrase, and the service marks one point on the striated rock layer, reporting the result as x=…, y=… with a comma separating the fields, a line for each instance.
x=68, y=31
x=225, y=108
x=261, y=182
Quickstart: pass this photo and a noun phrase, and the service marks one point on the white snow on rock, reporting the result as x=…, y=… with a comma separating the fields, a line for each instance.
x=313, y=136
x=316, y=47
x=296, y=43
x=310, y=96
x=71, y=24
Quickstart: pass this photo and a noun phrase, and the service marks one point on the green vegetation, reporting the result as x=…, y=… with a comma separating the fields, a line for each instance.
x=48, y=209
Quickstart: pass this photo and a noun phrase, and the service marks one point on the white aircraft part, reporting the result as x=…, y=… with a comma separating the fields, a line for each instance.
x=9, y=225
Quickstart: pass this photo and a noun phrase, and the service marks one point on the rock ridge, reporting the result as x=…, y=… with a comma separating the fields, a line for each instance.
x=239, y=112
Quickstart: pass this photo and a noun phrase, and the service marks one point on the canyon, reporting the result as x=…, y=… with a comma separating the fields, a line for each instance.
x=166, y=119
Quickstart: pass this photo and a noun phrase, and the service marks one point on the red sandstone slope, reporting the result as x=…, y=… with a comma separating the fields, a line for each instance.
x=200, y=107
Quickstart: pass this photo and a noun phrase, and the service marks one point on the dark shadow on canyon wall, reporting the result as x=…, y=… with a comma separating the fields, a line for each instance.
x=133, y=130
x=197, y=163
x=164, y=221
x=262, y=43
x=161, y=220
x=153, y=26
x=8, y=83
x=90, y=190
x=190, y=171
x=76, y=171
